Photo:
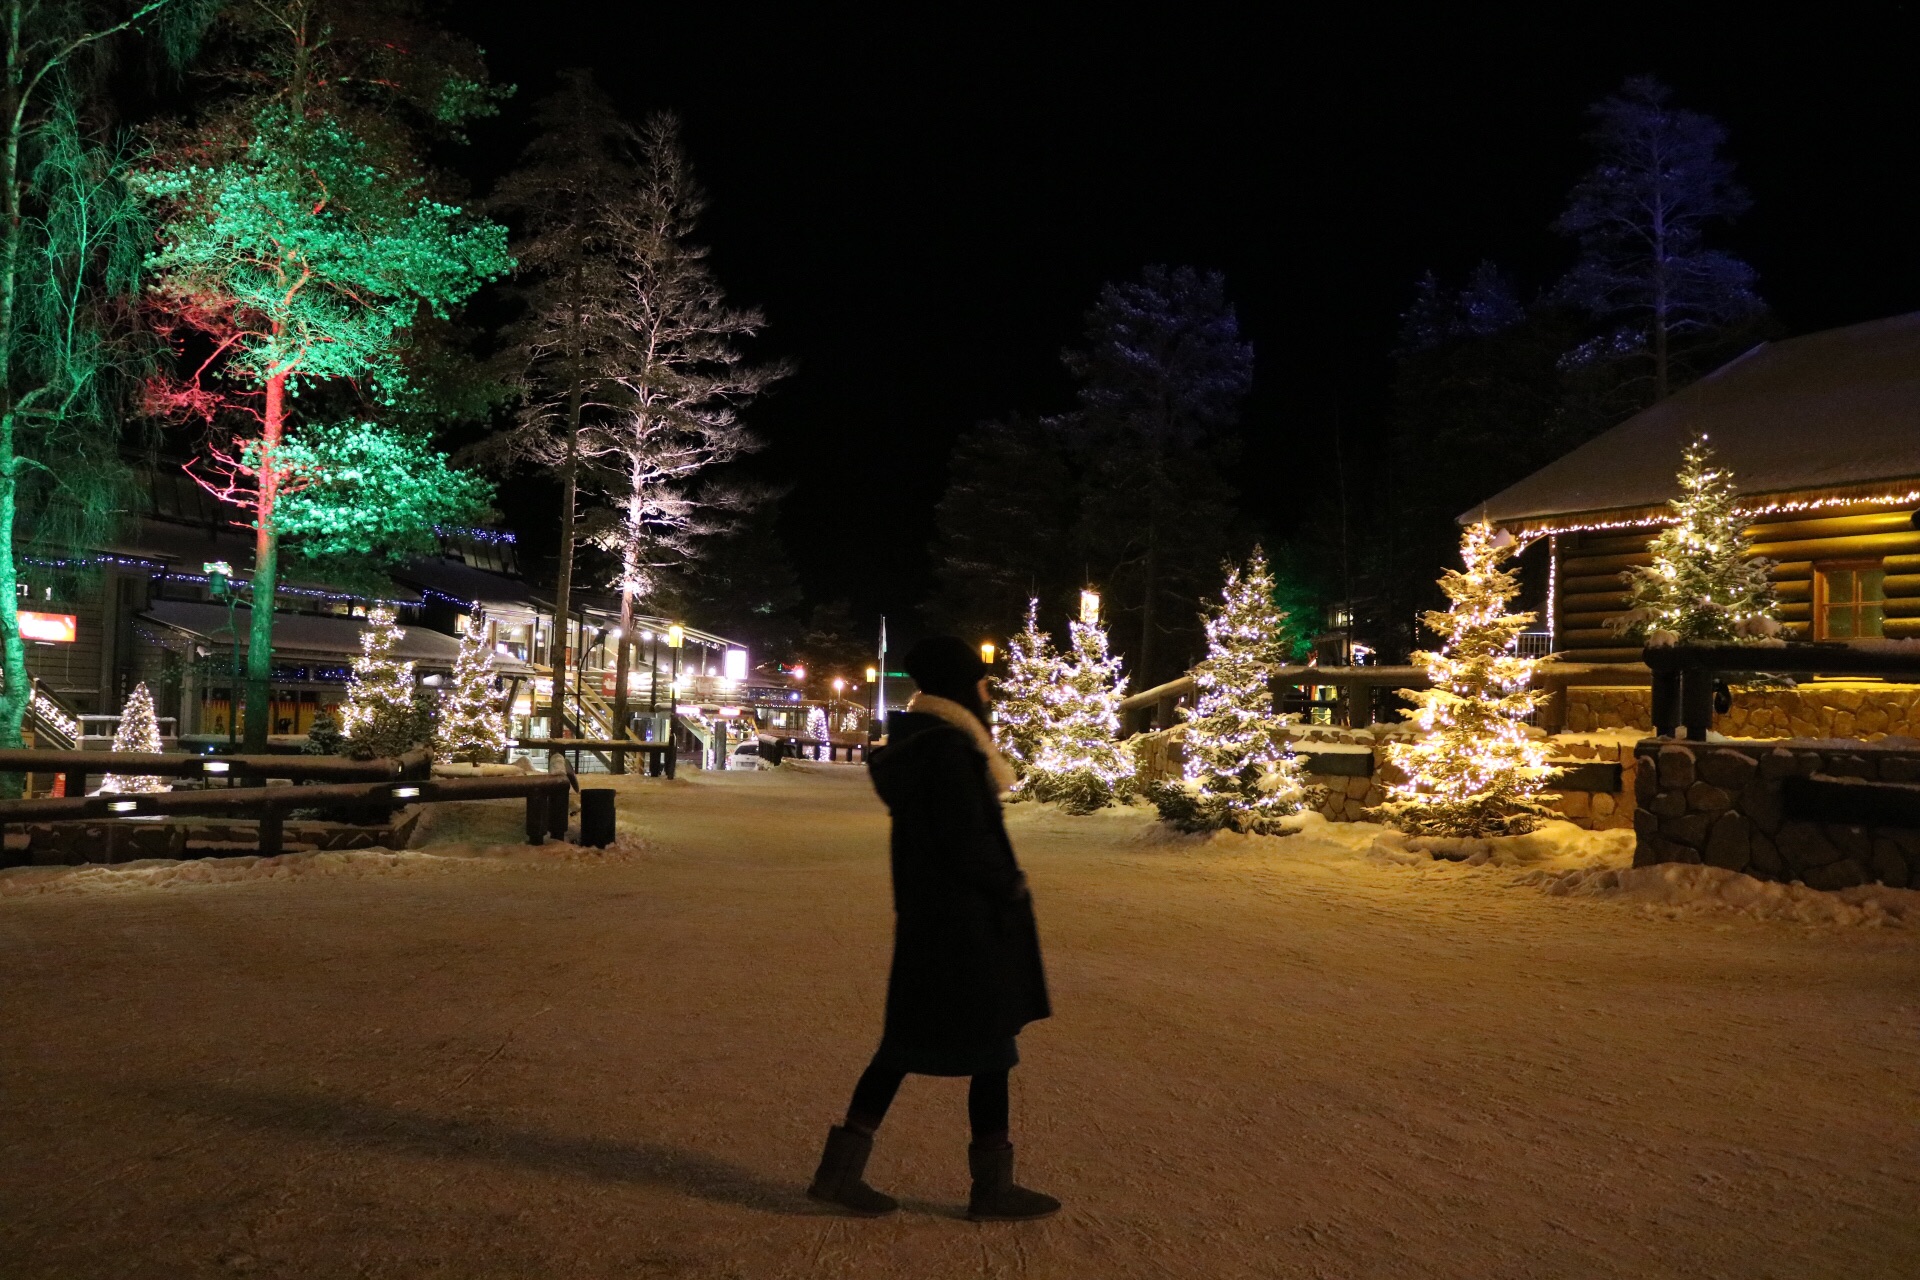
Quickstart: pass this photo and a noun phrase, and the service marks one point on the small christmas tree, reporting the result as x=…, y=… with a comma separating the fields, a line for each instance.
x=1240, y=773
x=1476, y=771
x=323, y=735
x=817, y=724
x=472, y=725
x=1080, y=763
x=378, y=716
x=1022, y=717
x=138, y=731
x=1703, y=585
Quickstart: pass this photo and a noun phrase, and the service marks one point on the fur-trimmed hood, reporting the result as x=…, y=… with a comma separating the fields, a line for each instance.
x=959, y=717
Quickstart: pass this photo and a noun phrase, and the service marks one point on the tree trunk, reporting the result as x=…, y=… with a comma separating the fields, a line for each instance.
x=1150, y=573
x=266, y=569
x=17, y=695
x=621, y=666
x=562, y=589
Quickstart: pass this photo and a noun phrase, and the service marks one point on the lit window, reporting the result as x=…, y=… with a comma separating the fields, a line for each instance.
x=1849, y=599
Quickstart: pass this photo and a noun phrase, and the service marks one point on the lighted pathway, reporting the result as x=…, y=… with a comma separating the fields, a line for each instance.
x=1281, y=1062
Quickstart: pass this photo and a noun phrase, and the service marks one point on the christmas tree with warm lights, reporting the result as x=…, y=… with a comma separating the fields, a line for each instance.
x=1022, y=716
x=817, y=728
x=1240, y=774
x=472, y=726
x=1081, y=764
x=1703, y=585
x=378, y=716
x=1475, y=770
x=139, y=731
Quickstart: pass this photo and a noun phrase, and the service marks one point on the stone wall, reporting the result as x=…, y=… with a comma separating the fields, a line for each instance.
x=1721, y=804
x=1868, y=710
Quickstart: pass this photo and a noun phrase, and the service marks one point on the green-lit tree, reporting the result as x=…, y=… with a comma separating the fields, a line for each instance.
x=378, y=717
x=1239, y=772
x=472, y=727
x=1704, y=584
x=307, y=261
x=300, y=252
x=1081, y=763
x=71, y=238
x=1022, y=715
x=1475, y=771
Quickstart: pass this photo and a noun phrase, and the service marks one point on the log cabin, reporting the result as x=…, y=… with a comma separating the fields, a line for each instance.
x=1822, y=434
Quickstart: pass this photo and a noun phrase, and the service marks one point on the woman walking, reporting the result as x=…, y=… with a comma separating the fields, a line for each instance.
x=966, y=972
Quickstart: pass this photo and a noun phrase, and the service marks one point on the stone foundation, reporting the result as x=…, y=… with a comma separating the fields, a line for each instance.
x=1722, y=804
x=1866, y=709
x=1346, y=797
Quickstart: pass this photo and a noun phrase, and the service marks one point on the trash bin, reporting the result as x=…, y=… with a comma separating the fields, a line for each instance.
x=596, y=816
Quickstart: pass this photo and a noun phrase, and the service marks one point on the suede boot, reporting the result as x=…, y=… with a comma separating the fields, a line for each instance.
x=839, y=1179
x=995, y=1196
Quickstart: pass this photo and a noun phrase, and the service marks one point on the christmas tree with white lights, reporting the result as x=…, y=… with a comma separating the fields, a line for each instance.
x=472, y=726
x=378, y=715
x=139, y=731
x=1475, y=770
x=1240, y=773
x=1022, y=716
x=817, y=724
x=1703, y=585
x=1081, y=764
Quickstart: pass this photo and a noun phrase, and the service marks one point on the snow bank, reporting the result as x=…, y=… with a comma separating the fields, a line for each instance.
x=169, y=873
x=1677, y=890
x=1555, y=844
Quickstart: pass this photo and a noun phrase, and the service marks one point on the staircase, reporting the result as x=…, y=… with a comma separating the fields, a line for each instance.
x=54, y=726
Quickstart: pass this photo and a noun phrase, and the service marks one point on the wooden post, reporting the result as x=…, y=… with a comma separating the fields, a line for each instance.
x=1696, y=701
x=673, y=755
x=272, y=832
x=557, y=814
x=536, y=817
x=1666, y=701
x=76, y=782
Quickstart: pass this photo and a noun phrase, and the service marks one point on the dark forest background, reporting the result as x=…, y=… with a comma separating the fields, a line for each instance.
x=927, y=212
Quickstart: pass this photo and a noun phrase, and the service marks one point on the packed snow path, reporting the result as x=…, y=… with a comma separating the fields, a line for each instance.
x=1269, y=1059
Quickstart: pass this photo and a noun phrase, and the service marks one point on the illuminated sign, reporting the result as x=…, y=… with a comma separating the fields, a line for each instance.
x=52, y=628
x=736, y=664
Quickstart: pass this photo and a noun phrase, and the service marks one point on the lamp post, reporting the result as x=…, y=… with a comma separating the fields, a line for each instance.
x=873, y=674
x=833, y=708
x=987, y=652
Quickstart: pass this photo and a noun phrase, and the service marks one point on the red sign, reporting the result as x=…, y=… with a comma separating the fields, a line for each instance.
x=55, y=628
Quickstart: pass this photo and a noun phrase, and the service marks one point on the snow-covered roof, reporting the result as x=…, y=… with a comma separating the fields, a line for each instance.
x=315, y=635
x=1828, y=411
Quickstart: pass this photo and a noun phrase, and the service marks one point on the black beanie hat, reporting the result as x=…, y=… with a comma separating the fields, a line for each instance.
x=948, y=667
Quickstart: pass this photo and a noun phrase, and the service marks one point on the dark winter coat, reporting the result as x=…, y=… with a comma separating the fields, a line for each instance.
x=966, y=953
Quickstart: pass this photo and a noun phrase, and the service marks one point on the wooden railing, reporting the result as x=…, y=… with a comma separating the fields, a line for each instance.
x=1685, y=676
x=78, y=766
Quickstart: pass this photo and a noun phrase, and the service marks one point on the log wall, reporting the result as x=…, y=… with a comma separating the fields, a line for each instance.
x=1589, y=589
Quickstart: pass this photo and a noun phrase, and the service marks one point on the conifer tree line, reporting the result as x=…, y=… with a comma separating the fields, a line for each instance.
x=1491, y=378
x=270, y=279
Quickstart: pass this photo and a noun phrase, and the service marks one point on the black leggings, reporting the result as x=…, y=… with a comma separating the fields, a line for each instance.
x=987, y=1109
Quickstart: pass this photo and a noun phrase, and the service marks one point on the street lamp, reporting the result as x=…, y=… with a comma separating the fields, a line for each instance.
x=1090, y=606
x=987, y=651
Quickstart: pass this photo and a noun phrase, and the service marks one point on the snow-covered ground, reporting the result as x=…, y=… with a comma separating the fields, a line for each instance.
x=1328, y=1054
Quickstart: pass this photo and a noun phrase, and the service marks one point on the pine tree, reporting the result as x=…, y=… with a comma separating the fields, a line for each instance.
x=138, y=731
x=1240, y=773
x=817, y=728
x=1703, y=584
x=378, y=716
x=1475, y=771
x=1081, y=763
x=1022, y=715
x=473, y=723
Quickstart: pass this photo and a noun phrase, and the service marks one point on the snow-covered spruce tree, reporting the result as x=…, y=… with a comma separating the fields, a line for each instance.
x=1081, y=764
x=138, y=731
x=323, y=736
x=1475, y=771
x=1703, y=585
x=1240, y=773
x=378, y=716
x=1022, y=714
x=473, y=723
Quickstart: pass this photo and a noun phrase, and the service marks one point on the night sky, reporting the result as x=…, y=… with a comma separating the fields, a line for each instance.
x=924, y=211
